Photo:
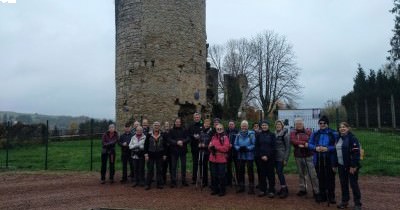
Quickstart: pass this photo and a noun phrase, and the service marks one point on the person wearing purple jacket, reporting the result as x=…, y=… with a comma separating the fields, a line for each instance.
x=109, y=140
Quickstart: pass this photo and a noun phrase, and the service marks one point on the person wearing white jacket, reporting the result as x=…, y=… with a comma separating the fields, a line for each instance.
x=137, y=152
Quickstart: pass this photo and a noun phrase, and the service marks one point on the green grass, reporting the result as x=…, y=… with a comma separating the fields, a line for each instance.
x=382, y=155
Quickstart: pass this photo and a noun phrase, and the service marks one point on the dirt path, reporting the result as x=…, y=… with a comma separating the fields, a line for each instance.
x=57, y=190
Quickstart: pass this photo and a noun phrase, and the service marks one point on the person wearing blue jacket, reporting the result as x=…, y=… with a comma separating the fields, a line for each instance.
x=348, y=163
x=265, y=156
x=244, y=145
x=322, y=143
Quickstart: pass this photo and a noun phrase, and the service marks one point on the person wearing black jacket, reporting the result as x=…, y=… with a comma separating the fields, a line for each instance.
x=194, y=134
x=166, y=165
x=264, y=152
x=231, y=132
x=126, y=159
x=178, y=140
x=154, y=154
x=109, y=140
x=348, y=162
x=204, y=141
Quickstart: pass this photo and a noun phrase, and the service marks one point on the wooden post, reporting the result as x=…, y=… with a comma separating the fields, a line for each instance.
x=393, y=111
x=357, y=118
x=378, y=111
x=366, y=113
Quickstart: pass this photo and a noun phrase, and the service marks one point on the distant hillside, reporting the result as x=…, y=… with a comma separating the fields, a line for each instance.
x=62, y=122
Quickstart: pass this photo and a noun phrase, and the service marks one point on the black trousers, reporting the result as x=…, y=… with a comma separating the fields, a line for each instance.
x=232, y=162
x=218, y=178
x=345, y=177
x=139, y=170
x=195, y=163
x=126, y=160
x=266, y=169
x=174, y=163
x=110, y=156
x=166, y=166
x=241, y=171
x=157, y=162
x=326, y=176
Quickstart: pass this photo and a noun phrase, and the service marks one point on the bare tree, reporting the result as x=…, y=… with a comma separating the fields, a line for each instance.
x=275, y=70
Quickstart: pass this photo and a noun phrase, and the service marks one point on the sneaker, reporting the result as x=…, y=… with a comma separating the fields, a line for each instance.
x=262, y=194
x=301, y=193
x=284, y=192
x=102, y=182
x=342, y=205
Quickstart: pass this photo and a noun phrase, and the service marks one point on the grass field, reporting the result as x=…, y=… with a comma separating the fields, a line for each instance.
x=382, y=155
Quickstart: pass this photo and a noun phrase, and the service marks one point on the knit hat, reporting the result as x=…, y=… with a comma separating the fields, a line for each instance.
x=324, y=119
x=217, y=120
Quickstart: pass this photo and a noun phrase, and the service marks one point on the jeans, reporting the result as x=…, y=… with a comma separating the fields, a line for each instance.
x=279, y=171
x=108, y=155
x=345, y=177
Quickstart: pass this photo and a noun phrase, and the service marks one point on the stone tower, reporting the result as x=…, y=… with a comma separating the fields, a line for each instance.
x=160, y=59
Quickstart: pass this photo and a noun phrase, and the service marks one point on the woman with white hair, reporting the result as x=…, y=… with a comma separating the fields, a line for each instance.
x=137, y=147
x=109, y=140
x=244, y=145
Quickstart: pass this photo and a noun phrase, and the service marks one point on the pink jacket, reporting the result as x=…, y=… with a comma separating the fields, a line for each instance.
x=221, y=149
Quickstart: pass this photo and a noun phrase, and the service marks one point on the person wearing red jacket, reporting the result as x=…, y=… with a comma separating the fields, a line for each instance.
x=109, y=140
x=304, y=159
x=219, y=148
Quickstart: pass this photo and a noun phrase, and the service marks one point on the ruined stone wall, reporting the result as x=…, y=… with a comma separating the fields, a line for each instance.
x=160, y=58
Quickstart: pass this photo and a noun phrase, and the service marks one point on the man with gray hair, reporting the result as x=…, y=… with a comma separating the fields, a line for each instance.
x=299, y=138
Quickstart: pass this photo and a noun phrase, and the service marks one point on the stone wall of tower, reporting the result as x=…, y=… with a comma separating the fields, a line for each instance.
x=160, y=59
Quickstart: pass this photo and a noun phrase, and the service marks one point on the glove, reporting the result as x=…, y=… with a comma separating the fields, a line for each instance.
x=243, y=149
x=213, y=150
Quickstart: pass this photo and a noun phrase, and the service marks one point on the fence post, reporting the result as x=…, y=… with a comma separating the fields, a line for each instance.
x=91, y=144
x=337, y=118
x=7, y=142
x=46, y=136
x=366, y=113
x=378, y=110
x=393, y=111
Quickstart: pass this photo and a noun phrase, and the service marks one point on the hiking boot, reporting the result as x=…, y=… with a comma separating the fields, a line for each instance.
x=220, y=194
x=184, y=183
x=251, y=190
x=147, y=187
x=240, y=190
x=318, y=198
x=112, y=181
x=284, y=192
x=122, y=181
x=262, y=194
x=102, y=181
x=160, y=187
x=332, y=201
x=342, y=205
x=358, y=207
x=271, y=195
x=301, y=193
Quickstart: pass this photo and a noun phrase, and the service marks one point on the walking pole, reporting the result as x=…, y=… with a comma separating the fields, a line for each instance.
x=198, y=170
x=202, y=170
x=309, y=176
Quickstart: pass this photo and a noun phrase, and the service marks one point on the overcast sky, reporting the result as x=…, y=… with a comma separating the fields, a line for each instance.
x=57, y=57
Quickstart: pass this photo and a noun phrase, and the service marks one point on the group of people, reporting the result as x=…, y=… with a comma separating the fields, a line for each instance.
x=229, y=153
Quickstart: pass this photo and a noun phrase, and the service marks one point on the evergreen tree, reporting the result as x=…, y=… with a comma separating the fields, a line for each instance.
x=394, y=53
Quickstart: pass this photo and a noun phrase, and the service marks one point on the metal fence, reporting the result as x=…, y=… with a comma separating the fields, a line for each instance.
x=36, y=147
